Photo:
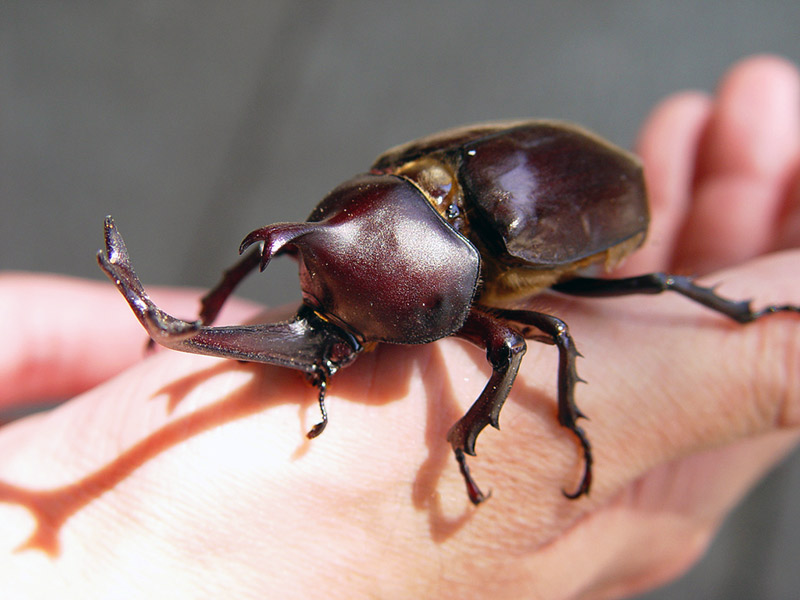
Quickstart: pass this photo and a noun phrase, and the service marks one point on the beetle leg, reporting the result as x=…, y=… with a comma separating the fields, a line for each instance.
x=655, y=283
x=306, y=342
x=504, y=350
x=568, y=411
x=212, y=302
x=319, y=379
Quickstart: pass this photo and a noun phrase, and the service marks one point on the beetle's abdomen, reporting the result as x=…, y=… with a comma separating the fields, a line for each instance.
x=549, y=194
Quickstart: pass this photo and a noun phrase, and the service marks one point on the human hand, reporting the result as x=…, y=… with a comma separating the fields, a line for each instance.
x=187, y=476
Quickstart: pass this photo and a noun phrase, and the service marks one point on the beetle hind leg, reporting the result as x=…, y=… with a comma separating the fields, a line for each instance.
x=740, y=311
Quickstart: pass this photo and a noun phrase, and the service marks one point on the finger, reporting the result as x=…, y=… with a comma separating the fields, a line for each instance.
x=668, y=146
x=746, y=156
x=788, y=235
x=62, y=336
x=755, y=128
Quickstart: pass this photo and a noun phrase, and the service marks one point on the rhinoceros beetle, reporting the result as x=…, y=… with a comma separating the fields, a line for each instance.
x=440, y=238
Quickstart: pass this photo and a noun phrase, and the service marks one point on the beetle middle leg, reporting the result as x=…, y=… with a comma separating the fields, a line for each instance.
x=568, y=411
x=740, y=311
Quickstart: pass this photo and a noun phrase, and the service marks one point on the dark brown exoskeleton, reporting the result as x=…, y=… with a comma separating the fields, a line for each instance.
x=439, y=239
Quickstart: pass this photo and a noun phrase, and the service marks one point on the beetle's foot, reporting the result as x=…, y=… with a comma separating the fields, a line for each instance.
x=319, y=379
x=115, y=261
x=656, y=283
x=586, y=478
x=476, y=496
x=772, y=309
x=738, y=310
x=317, y=429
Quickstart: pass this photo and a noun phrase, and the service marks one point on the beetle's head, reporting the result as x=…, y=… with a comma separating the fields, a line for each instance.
x=377, y=259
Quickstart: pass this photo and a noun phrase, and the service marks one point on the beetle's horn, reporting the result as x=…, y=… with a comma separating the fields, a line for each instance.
x=275, y=237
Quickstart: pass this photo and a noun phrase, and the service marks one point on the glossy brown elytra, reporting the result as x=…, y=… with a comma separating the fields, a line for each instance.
x=440, y=238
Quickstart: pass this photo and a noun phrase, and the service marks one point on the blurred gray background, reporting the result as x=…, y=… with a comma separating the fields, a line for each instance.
x=196, y=122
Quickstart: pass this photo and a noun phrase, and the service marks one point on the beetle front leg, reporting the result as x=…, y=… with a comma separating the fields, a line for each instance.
x=656, y=283
x=306, y=343
x=504, y=350
x=319, y=379
x=212, y=302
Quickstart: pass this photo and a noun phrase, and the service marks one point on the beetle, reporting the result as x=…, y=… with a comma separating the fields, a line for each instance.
x=444, y=236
